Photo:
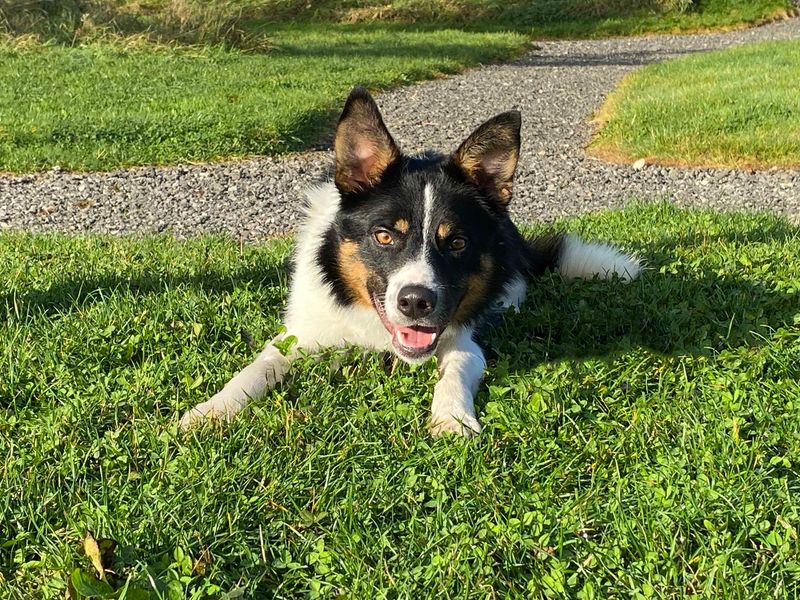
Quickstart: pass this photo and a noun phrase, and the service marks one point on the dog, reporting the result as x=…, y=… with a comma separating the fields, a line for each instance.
x=412, y=254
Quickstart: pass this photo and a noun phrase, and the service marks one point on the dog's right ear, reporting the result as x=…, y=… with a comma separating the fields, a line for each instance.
x=364, y=147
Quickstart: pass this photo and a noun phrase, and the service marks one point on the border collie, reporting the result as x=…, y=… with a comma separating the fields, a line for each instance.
x=412, y=254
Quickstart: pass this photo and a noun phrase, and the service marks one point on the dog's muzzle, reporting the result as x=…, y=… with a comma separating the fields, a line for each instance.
x=412, y=342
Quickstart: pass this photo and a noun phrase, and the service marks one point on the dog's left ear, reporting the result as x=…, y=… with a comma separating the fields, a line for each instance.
x=489, y=156
x=364, y=147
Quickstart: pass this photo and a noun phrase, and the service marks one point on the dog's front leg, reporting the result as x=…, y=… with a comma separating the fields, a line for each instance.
x=251, y=383
x=461, y=365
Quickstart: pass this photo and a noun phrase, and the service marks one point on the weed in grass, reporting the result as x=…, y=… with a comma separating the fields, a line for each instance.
x=639, y=440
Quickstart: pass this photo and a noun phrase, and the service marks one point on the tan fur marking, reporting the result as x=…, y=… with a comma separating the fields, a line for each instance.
x=363, y=147
x=488, y=157
x=354, y=272
x=444, y=230
x=496, y=172
x=477, y=288
x=401, y=225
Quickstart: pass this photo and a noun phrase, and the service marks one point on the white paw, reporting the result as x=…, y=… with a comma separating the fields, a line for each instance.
x=465, y=425
x=215, y=409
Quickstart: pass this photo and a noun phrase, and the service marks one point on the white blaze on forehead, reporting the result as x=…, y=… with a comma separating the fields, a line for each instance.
x=427, y=217
x=419, y=271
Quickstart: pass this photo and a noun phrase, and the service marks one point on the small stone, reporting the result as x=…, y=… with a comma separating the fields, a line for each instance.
x=639, y=164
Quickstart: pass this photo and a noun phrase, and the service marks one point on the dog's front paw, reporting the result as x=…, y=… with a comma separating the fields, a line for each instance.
x=464, y=424
x=215, y=409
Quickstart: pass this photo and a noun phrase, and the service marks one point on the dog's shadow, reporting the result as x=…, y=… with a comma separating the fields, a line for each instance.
x=679, y=306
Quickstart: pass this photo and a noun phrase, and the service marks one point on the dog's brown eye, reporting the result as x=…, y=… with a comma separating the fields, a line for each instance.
x=458, y=243
x=383, y=237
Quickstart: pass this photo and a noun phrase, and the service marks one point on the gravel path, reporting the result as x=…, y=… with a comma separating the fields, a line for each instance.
x=557, y=86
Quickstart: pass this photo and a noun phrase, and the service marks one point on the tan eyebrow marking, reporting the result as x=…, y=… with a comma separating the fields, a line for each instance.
x=401, y=225
x=444, y=230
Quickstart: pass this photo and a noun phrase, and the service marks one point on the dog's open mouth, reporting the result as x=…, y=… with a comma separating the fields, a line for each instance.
x=410, y=341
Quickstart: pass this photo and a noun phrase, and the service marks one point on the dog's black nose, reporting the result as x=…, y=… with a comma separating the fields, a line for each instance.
x=415, y=301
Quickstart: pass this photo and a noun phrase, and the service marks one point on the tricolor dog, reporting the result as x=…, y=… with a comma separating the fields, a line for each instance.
x=412, y=254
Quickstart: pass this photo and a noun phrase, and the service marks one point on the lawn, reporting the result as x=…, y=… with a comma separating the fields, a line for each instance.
x=639, y=440
x=732, y=108
x=101, y=106
x=113, y=83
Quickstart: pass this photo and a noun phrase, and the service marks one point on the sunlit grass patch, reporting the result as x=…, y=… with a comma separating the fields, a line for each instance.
x=735, y=108
x=638, y=439
x=102, y=106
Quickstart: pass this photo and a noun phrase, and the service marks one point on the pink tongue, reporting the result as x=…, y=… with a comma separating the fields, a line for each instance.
x=416, y=337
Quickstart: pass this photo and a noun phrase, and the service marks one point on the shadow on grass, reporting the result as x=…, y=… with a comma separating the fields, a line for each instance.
x=667, y=313
x=670, y=309
x=80, y=293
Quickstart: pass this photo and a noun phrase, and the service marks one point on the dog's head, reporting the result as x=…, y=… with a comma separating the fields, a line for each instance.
x=420, y=239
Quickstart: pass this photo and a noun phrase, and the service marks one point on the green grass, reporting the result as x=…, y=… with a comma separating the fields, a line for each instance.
x=708, y=15
x=101, y=94
x=232, y=22
x=735, y=108
x=98, y=106
x=639, y=440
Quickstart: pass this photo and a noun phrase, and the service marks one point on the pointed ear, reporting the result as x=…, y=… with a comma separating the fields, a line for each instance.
x=489, y=156
x=364, y=147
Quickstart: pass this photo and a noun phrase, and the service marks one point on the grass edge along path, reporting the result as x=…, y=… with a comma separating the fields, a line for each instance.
x=733, y=108
x=639, y=440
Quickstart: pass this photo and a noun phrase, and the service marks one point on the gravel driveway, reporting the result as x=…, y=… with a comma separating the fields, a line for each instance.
x=557, y=86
